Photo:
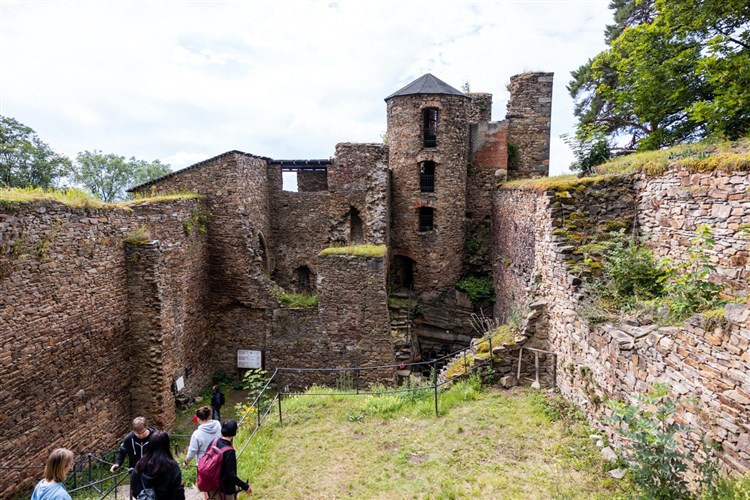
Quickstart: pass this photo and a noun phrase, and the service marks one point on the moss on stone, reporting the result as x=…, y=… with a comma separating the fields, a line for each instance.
x=357, y=251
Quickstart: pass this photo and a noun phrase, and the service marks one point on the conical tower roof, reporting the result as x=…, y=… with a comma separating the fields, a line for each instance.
x=427, y=84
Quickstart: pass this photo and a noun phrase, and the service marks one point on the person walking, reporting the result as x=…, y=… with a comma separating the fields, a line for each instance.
x=217, y=401
x=55, y=471
x=157, y=469
x=133, y=446
x=202, y=437
x=229, y=480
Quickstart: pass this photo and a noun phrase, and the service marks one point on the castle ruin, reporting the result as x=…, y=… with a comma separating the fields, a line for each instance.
x=99, y=326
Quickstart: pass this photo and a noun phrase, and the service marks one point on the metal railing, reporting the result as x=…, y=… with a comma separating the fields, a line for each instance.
x=92, y=473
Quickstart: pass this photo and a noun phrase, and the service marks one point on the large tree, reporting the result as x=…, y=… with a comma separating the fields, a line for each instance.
x=108, y=176
x=26, y=161
x=673, y=72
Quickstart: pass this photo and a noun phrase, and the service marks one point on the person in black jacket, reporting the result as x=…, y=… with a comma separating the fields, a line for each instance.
x=217, y=401
x=133, y=446
x=157, y=469
x=229, y=480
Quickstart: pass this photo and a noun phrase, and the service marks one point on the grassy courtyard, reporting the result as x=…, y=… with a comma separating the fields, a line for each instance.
x=485, y=444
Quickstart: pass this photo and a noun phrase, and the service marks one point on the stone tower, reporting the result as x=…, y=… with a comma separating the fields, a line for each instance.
x=428, y=137
x=529, y=117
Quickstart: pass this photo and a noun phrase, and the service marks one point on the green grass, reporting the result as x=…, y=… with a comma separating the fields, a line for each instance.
x=298, y=300
x=357, y=251
x=485, y=444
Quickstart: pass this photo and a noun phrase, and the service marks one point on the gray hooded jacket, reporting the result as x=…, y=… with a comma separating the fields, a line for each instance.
x=202, y=438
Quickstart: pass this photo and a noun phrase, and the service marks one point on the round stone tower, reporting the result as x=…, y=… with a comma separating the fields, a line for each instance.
x=428, y=142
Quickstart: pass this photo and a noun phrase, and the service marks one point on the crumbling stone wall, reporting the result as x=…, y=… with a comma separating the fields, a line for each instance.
x=702, y=359
x=438, y=253
x=529, y=114
x=236, y=191
x=480, y=108
x=305, y=223
x=67, y=349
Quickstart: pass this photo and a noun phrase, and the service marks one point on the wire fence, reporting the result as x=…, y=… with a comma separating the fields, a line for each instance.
x=92, y=474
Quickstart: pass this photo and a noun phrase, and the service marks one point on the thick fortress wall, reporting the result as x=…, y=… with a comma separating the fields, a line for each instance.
x=71, y=359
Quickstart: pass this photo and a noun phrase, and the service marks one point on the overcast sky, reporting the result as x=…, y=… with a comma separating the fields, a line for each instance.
x=182, y=81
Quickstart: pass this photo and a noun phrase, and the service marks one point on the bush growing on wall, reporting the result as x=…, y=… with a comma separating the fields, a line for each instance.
x=633, y=279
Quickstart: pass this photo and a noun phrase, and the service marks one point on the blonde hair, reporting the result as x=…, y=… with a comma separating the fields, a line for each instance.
x=139, y=424
x=57, y=464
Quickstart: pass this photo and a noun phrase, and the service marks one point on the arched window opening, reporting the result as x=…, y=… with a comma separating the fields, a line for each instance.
x=429, y=127
x=427, y=177
x=356, y=231
x=426, y=219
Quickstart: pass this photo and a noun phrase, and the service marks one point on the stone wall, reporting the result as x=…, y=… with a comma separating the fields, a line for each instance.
x=235, y=185
x=515, y=236
x=529, y=114
x=304, y=223
x=672, y=206
x=707, y=363
x=67, y=349
x=480, y=108
x=438, y=254
x=354, y=323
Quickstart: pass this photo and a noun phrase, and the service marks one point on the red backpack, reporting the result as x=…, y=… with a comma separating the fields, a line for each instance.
x=209, y=467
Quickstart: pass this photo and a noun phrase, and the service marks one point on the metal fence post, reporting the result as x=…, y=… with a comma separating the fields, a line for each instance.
x=492, y=364
x=434, y=383
x=280, y=420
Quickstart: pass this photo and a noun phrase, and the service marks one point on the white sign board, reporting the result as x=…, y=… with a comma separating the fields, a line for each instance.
x=180, y=384
x=249, y=359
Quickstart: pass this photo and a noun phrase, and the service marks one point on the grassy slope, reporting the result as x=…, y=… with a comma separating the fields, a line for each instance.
x=490, y=445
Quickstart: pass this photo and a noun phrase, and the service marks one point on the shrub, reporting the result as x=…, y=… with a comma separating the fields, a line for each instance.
x=140, y=236
x=688, y=287
x=631, y=270
x=658, y=466
x=479, y=289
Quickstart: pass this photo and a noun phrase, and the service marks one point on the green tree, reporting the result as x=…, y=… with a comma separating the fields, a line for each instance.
x=26, y=161
x=674, y=72
x=108, y=176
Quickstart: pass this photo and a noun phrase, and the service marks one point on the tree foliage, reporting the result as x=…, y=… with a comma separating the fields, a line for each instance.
x=108, y=175
x=26, y=161
x=674, y=72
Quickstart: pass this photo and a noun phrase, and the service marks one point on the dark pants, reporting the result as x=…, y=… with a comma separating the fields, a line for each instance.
x=216, y=413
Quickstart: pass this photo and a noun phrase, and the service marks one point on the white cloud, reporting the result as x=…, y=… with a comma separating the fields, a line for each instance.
x=178, y=80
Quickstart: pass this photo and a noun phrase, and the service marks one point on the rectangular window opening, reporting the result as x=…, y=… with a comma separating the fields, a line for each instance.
x=427, y=177
x=426, y=219
x=430, y=127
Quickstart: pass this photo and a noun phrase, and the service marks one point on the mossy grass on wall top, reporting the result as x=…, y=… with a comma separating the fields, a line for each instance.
x=705, y=156
x=69, y=197
x=357, y=251
x=557, y=183
x=138, y=199
x=76, y=198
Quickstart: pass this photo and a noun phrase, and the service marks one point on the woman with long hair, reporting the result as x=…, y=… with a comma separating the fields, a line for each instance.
x=55, y=471
x=157, y=469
